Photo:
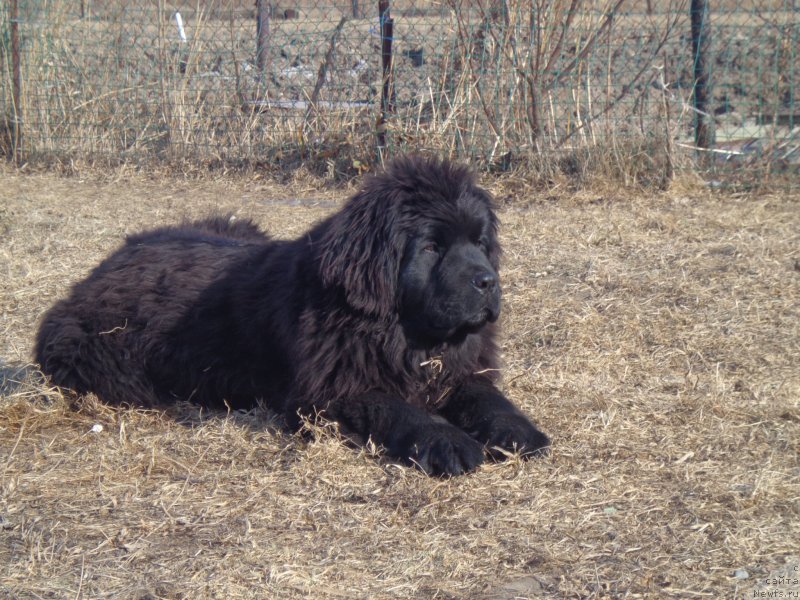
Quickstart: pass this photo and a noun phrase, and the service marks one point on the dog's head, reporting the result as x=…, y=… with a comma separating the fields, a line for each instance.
x=418, y=240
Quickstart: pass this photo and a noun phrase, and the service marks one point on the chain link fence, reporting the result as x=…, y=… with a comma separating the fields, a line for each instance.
x=338, y=83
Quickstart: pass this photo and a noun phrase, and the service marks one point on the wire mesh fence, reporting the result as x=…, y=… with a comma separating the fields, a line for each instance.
x=338, y=83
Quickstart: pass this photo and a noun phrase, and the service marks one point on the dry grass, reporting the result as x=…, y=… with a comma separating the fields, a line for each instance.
x=656, y=338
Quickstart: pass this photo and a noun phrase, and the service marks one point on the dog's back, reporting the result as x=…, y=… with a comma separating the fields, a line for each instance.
x=223, y=230
x=107, y=335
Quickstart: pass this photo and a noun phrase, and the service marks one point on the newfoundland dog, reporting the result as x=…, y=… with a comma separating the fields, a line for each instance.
x=381, y=318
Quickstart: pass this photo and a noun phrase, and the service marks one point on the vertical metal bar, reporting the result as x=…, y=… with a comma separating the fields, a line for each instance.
x=701, y=46
x=355, y=9
x=387, y=89
x=262, y=36
x=16, y=84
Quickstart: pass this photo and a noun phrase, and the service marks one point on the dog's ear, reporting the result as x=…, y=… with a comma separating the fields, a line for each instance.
x=361, y=248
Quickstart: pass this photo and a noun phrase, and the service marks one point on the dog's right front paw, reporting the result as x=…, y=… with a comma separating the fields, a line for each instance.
x=509, y=433
x=442, y=450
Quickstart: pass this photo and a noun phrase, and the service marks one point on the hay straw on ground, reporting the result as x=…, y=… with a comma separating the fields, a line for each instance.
x=656, y=338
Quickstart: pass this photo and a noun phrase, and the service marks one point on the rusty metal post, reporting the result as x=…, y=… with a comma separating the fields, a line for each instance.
x=387, y=89
x=263, y=11
x=701, y=46
x=16, y=84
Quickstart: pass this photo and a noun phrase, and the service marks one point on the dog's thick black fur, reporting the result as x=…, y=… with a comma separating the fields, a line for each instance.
x=381, y=318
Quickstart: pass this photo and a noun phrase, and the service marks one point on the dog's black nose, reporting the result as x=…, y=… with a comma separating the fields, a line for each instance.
x=485, y=281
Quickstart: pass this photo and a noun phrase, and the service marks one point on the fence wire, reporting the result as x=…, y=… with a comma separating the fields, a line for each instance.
x=497, y=81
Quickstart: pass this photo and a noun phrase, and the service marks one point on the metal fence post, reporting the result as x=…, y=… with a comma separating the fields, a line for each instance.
x=387, y=89
x=16, y=84
x=701, y=46
x=262, y=35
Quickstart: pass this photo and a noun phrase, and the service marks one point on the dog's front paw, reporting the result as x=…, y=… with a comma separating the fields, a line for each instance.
x=513, y=433
x=442, y=450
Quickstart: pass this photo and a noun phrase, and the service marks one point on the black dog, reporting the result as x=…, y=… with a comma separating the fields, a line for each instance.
x=381, y=318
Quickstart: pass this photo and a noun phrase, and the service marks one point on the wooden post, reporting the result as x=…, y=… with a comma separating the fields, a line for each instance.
x=701, y=46
x=387, y=89
x=16, y=84
x=262, y=36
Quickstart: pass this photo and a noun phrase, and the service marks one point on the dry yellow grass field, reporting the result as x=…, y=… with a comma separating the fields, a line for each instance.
x=656, y=337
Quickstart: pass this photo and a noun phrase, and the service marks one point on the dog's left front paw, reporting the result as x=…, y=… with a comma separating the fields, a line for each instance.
x=512, y=433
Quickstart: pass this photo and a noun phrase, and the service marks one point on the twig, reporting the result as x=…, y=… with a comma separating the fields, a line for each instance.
x=11, y=454
x=115, y=329
x=323, y=69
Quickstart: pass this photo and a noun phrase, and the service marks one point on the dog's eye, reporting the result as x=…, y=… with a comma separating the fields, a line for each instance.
x=431, y=247
x=483, y=245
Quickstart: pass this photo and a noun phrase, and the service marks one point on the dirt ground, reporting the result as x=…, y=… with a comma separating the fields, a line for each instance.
x=655, y=337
